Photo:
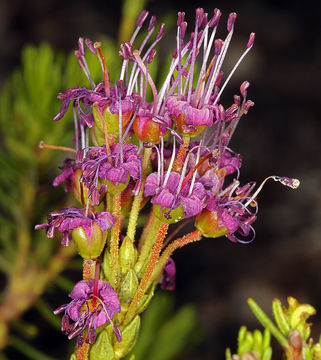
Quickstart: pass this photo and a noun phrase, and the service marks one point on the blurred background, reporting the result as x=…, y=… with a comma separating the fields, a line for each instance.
x=280, y=135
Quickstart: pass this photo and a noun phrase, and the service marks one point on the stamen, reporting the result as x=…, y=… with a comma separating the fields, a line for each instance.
x=192, y=171
x=142, y=66
x=171, y=163
x=292, y=183
x=43, y=145
x=116, y=331
x=101, y=57
x=232, y=72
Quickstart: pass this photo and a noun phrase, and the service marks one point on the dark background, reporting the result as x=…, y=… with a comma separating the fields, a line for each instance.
x=280, y=135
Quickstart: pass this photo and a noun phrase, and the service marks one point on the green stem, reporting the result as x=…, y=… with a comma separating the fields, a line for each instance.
x=267, y=323
x=114, y=241
x=146, y=249
x=145, y=281
x=131, y=230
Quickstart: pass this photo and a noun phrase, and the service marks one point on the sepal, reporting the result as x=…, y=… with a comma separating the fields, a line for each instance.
x=127, y=255
x=128, y=287
x=102, y=349
x=129, y=334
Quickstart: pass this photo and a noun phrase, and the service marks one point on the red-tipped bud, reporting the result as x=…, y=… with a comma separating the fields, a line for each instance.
x=231, y=21
x=141, y=19
x=210, y=224
x=146, y=129
x=251, y=40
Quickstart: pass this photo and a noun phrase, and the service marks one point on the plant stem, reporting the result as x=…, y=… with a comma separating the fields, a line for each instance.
x=147, y=247
x=114, y=241
x=131, y=230
x=144, y=283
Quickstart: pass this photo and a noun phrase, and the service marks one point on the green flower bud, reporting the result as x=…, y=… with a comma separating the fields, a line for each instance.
x=127, y=255
x=210, y=224
x=129, y=334
x=90, y=243
x=102, y=349
x=128, y=287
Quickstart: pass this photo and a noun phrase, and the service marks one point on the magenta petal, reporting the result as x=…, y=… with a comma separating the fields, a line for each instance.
x=150, y=185
x=109, y=296
x=164, y=198
x=105, y=220
x=192, y=206
x=80, y=290
x=73, y=309
x=229, y=221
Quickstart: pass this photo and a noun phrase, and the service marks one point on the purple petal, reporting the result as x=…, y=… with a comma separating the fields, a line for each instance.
x=81, y=290
x=105, y=220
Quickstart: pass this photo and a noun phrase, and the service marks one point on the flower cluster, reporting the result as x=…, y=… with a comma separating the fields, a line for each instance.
x=172, y=152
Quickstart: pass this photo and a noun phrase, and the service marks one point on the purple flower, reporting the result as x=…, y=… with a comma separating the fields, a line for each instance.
x=168, y=278
x=70, y=218
x=171, y=194
x=89, y=311
x=122, y=164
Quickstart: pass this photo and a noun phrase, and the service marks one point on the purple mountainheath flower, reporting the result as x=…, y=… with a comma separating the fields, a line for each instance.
x=89, y=311
x=70, y=218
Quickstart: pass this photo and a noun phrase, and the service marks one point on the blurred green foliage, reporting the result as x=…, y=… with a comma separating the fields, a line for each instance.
x=165, y=333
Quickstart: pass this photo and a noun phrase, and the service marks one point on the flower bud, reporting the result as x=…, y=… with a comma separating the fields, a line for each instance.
x=210, y=225
x=127, y=255
x=102, y=349
x=90, y=240
x=128, y=287
x=129, y=334
x=146, y=129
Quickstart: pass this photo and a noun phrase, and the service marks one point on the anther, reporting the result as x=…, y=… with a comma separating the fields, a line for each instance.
x=141, y=19
x=231, y=21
